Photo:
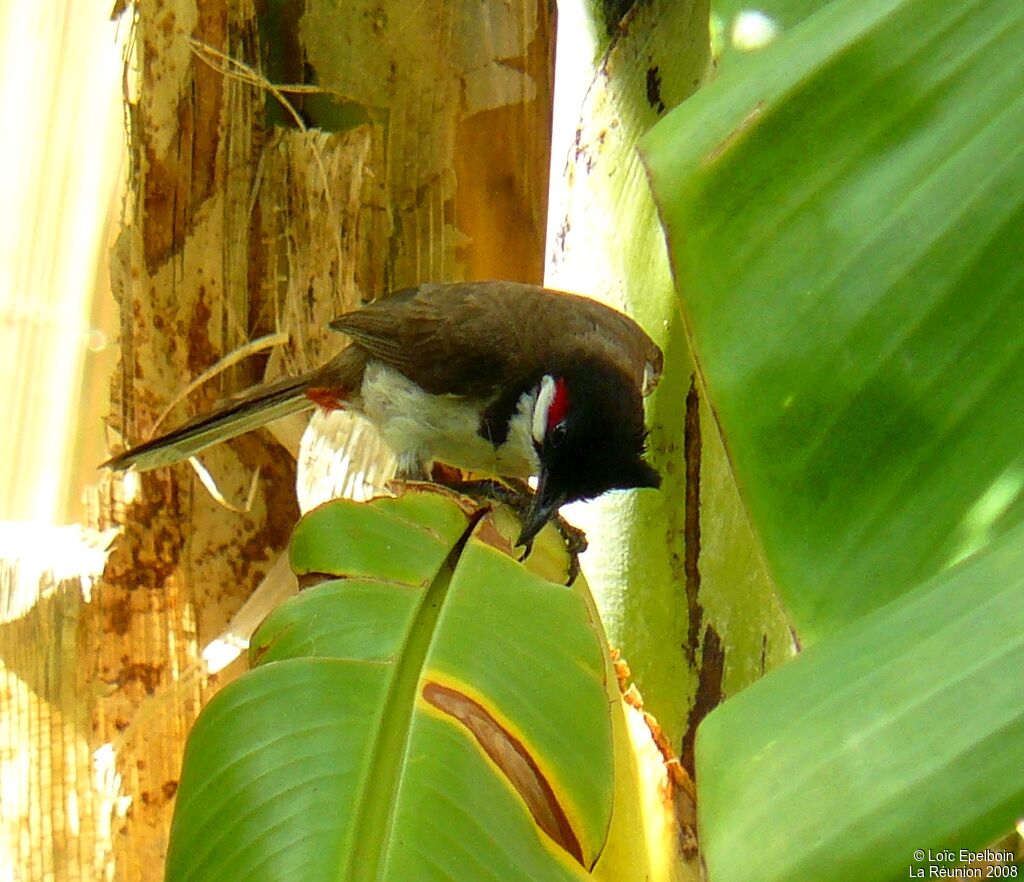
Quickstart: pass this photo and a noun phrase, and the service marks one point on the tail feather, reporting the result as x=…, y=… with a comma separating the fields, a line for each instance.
x=257, y=408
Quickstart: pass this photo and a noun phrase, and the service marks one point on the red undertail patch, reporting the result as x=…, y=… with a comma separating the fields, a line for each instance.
x=328, y=399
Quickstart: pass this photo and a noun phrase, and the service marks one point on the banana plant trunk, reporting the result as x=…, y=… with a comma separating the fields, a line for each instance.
x=287, y=162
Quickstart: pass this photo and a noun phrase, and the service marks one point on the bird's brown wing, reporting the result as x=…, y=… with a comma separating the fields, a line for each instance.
x=474, y=337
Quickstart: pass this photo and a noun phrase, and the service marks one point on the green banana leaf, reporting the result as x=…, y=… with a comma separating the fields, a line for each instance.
x=426, y=709
x=905, y=733
x=844, y=217
x=844, y=213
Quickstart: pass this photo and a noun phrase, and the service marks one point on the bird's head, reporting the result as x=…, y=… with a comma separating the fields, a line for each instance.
x=588, y=431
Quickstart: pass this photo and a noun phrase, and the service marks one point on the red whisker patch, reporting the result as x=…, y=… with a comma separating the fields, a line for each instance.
x=559, y=404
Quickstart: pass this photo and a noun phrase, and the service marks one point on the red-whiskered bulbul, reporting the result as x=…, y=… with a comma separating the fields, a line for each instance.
x=505, y=379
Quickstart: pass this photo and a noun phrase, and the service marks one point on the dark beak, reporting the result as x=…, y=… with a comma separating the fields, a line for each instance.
x=544, y=506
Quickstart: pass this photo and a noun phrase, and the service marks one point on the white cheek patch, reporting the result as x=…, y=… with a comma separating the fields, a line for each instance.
x=545, y=396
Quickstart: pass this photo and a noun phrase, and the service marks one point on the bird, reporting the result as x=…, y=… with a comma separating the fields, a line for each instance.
x=505, y=379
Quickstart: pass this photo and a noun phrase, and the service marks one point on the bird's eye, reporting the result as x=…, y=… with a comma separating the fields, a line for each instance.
x=556, y=434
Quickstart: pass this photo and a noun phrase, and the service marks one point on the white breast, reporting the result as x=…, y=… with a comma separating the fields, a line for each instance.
x=421, y=428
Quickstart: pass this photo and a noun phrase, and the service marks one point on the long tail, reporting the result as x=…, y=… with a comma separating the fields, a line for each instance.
x=261, y=406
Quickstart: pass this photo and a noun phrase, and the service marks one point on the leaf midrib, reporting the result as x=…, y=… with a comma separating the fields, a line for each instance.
x=374, y=816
